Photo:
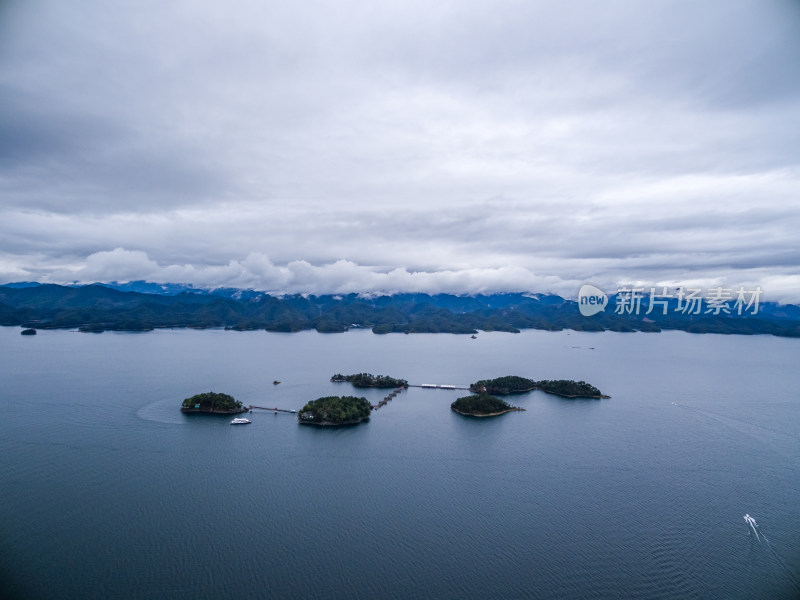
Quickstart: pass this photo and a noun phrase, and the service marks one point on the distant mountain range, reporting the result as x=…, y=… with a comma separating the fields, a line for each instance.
x=143, y=306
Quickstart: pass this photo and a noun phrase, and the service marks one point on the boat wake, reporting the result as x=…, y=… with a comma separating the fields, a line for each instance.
x=759, y=537
x=753, y=526
x=161, y=411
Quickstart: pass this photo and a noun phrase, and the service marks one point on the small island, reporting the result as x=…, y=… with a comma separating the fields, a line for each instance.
x=569, y=388
x=511, y=384
x=213, y=403
x=368, y=380
x=28, y=332
x=482, y=405
x=332, y=411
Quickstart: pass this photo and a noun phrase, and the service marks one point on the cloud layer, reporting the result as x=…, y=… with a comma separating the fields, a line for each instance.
x=468, y=146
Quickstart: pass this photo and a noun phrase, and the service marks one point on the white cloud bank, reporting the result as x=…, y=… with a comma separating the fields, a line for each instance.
x=256, y=271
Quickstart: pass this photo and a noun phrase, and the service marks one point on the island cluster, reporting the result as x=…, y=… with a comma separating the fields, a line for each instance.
x=485, y=403
x=331, y=411
x=512, y=384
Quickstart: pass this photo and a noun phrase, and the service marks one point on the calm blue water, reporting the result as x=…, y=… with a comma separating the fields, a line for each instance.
x=108, y=491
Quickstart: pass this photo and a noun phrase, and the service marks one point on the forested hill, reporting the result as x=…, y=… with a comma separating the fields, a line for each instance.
x=101, y=307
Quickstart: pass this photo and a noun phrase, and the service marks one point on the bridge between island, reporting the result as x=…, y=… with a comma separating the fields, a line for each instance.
x=435, y=386
x=426, y=386
x=387, y=399
x=277, y=410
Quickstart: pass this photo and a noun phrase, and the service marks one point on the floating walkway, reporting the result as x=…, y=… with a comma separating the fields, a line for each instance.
x=437, y=386
x=387, y=399
x=382, y=403
x=277, y=410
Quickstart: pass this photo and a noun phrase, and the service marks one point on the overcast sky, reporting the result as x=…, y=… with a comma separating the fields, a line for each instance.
x=398, y=145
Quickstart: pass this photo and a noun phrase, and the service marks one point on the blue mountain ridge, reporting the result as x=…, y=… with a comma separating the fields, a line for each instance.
x=139, y=305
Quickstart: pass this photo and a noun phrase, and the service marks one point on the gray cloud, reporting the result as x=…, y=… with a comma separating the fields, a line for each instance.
x=464, y=146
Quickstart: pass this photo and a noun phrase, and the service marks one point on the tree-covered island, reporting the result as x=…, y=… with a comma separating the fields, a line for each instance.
x=512, y=384
x=366, y=380
x=334, y=411
x=482, y=405
x=569, y=388
x=212, y=402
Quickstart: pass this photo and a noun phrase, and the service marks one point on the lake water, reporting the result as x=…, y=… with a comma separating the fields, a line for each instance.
x=108, y=491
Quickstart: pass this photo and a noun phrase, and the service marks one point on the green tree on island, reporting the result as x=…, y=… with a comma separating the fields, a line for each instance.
x=482, y=405
x=335, y=410
x=212, y=402
x=570, y=388
x=511, y=384
x=364, y=380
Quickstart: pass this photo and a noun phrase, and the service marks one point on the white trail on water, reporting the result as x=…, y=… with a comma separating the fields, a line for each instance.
x=759, y=536
x=753, y=525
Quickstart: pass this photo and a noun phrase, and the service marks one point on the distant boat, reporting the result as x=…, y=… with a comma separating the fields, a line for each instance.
x=276, y=382
x=474, y=337
x=240, y=421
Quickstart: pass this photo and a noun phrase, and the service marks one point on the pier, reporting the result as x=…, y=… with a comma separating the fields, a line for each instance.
x=276, y=410
x=387, y=399
x=437, y=386
x=379, y=405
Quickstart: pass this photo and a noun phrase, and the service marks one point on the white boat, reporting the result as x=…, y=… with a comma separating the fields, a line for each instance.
x=240, y=421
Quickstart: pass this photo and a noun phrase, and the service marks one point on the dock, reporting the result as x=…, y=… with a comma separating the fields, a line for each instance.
x=276, y=410
x=438, y=386
x=387, y=399
x=379, y=405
